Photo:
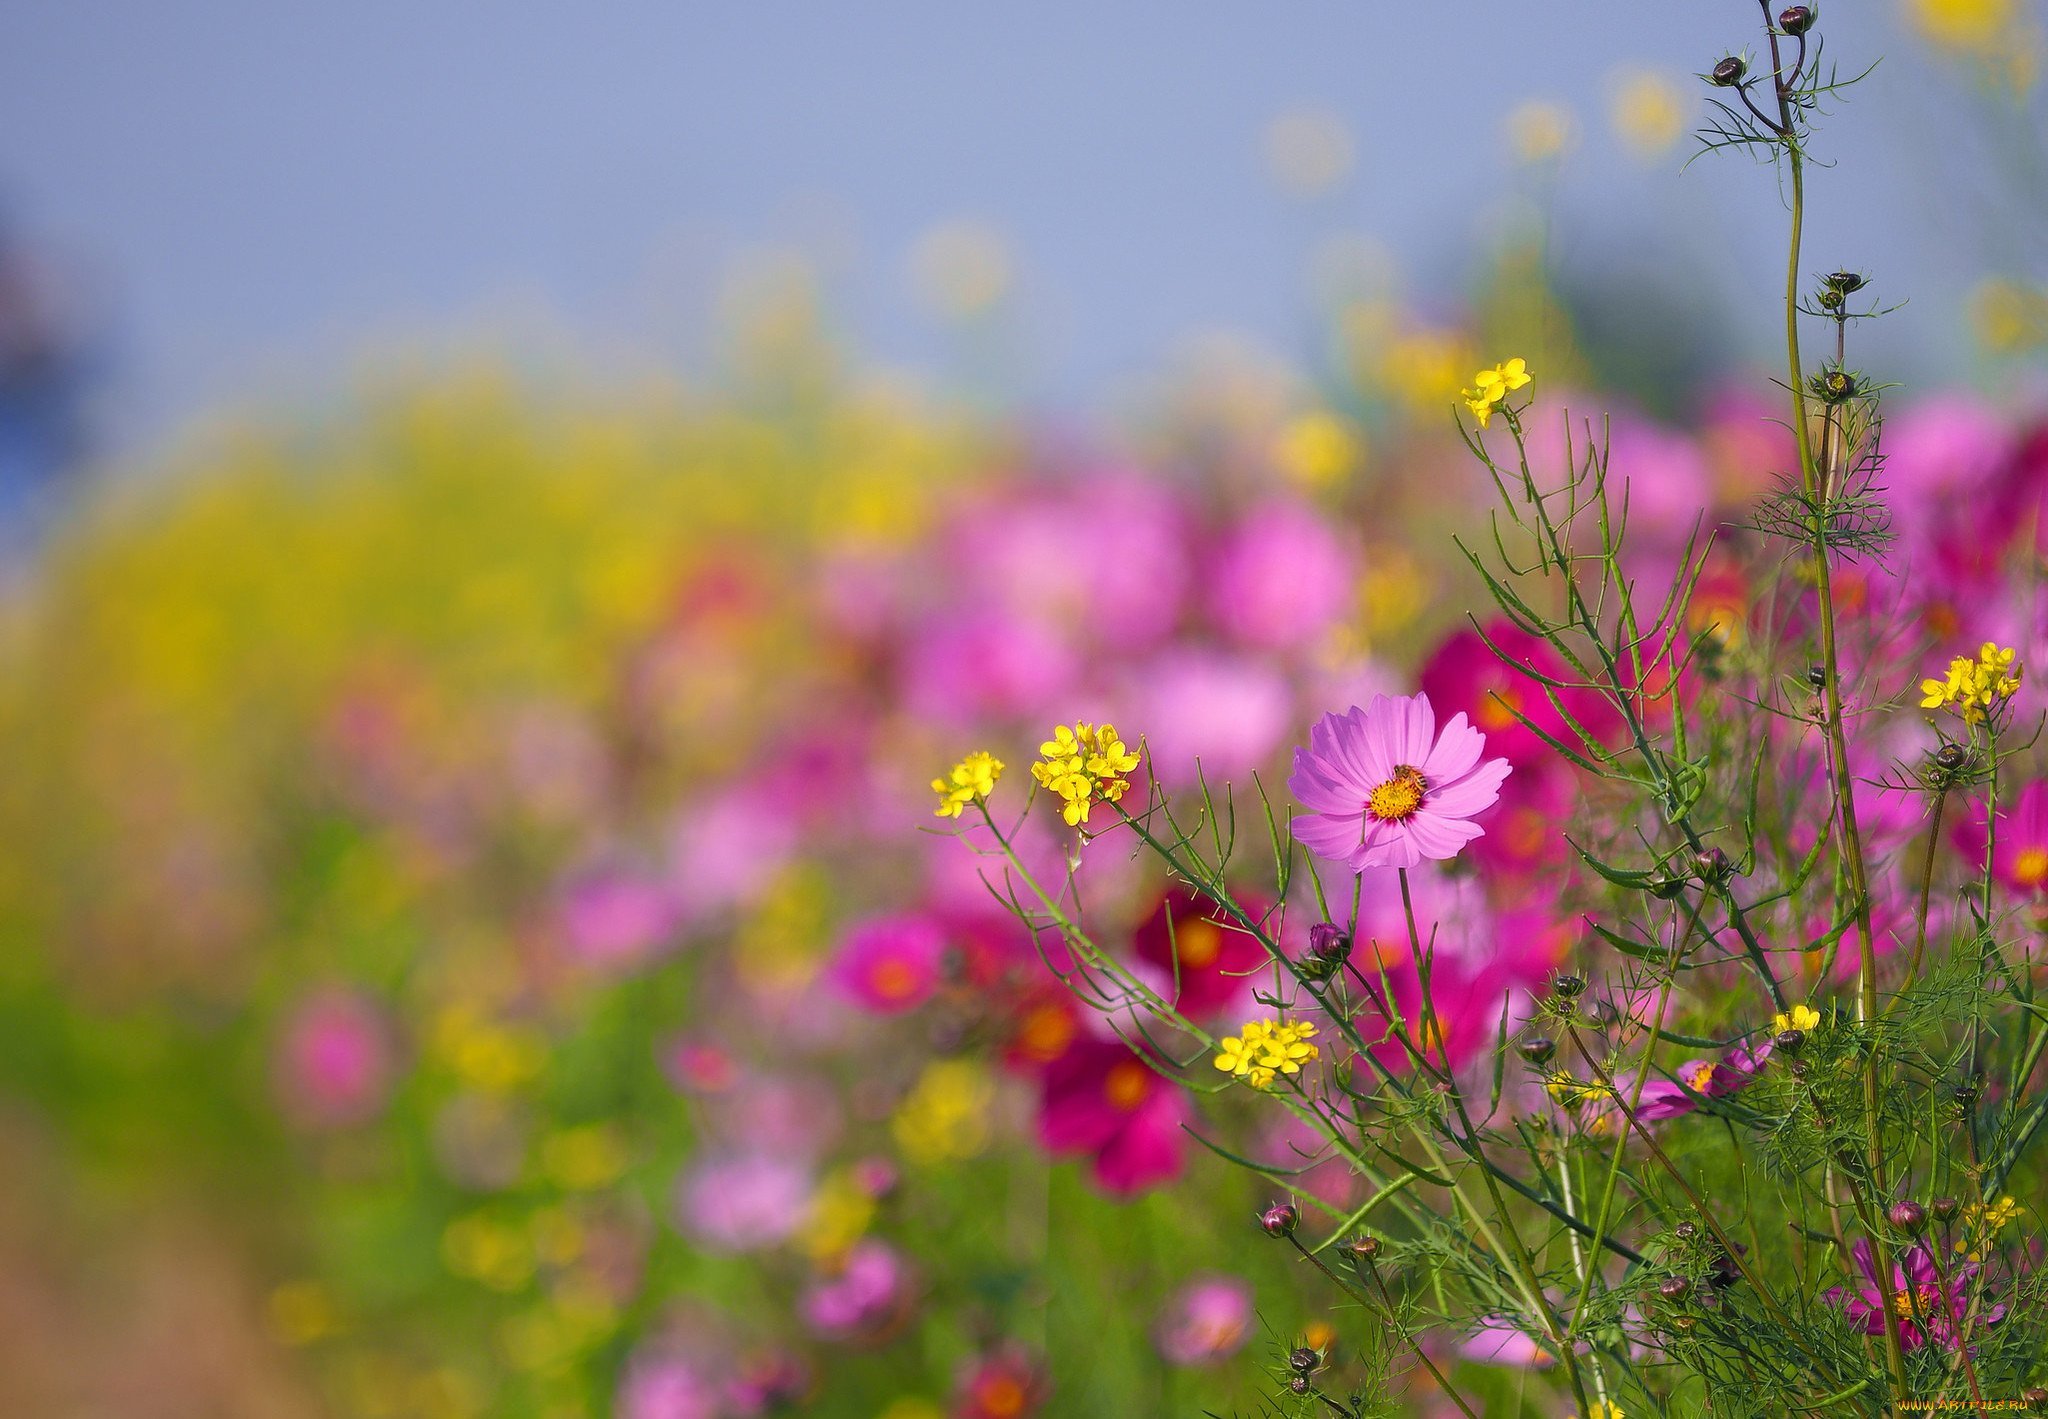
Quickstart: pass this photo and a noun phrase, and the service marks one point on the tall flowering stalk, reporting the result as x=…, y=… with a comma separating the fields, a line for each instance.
x=1745, y=1154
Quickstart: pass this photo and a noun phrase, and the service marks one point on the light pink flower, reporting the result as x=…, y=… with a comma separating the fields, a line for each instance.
x=335, y=1065
x=1207, y=1321
x=1385, y=789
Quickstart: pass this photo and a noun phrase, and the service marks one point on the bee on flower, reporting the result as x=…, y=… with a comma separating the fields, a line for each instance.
x=1084, y=765
x=1976, y=689
x=1490, y=387
x=1265, y=1049
x=971, y=780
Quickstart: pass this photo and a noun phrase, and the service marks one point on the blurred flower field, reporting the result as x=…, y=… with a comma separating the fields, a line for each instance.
x=481, y=934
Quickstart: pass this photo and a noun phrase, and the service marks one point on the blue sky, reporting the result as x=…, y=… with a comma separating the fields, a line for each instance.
x=272, y=193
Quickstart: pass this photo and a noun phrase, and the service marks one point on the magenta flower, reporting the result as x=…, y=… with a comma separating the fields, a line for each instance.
x=1207, y=1321
x=1385, y=789
x=1701, y=1079
x=2019, y=859
x=666, y=1387
x=744, y=1202
x=1931, y=1307
x=890, y=964
x=616, y=918
x=335, y=1060
x=1101, y=1099
x=864, y=1300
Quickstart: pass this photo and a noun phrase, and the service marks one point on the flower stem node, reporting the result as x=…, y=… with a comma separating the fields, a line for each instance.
x=1280, y=1220
x=1729, y=72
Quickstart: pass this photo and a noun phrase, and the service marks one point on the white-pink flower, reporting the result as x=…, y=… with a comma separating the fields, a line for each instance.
x=1384, y=789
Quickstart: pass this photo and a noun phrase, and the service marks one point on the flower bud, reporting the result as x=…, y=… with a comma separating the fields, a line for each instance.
x=1836, y=386
x=1723, y=1270
x=1304, y=1360
x=1667, y=887
x=1908, y=1216
x=1847, y=282
x=1364, y=1248
x=1674, y=1288
x=1796, y=19
x=1537, y=1050
x=1687, y=1230
x=1831, y=299
x=1329, y=947
x=1601, y=1013
x=1568, y=986
x=1279, y=1220
x=1790, y=1041
x=1728, y=72
x=1713, y=866
x=1945, y=1209
x=2035, y=1397
x=1299, y=1384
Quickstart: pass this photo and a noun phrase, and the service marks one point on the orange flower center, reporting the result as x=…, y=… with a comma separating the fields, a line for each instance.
x=1002, y=1397
x=1398, y=797
x=1126, y=1085
x=2030, y=868
x=1497, y=710
x=893, y=980
x=1199, y=942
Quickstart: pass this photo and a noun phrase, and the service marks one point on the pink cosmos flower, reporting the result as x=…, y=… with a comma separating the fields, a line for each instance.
x=1226, y=712
x=1280, y=579
x=666, y=1387
x=743, y=1202
x=615, y=918
x=864, y=1300
x=334, y=1065
x=1007, y=1382
x=1931, y=1305
x=1101, y=1099
x=1701, y=1079
x=1205, y=960
x=2019, y=859
x=1207, y=1321
x=890, y=964
x=1465, y=671
x=1385, y=789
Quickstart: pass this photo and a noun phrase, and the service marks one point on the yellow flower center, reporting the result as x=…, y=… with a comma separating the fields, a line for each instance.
x=1126, y=1085
x=1700, y=1079
x=1198, y=942
x=2030, y=868
x=1398, y=797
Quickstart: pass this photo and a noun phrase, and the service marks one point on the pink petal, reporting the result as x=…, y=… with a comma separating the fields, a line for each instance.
x=1469, y=796
x=1439, y=837
x=1415, y=732
x=1330, y=836
x=1314, y=788
x=1457, y=749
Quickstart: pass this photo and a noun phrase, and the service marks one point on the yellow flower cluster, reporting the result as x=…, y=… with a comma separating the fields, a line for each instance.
x=1975, y=689
x=1265, y=1049
x=974, y=777
x=1084, y=764
x=1982, y=1222
x=1491, y=386
x=1803, y=1018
